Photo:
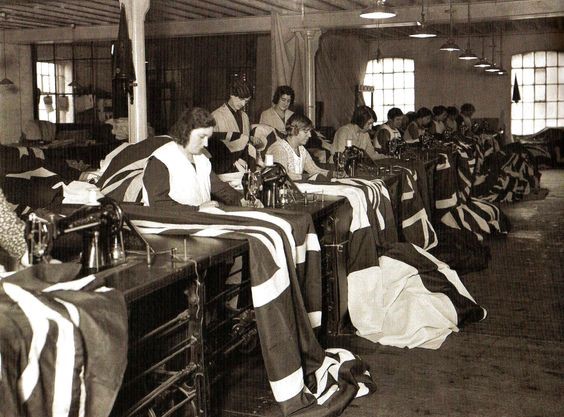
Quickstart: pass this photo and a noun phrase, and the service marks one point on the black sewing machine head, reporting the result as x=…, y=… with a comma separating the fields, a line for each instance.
x=100, y=226
x=268, y=185
x=347, y=161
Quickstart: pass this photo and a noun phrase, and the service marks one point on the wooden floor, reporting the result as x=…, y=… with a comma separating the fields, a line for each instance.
x=509, y=365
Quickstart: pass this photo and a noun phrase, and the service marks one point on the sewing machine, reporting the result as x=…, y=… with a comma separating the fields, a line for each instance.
x=347, y=162
x=271, y=185
x=100, y=225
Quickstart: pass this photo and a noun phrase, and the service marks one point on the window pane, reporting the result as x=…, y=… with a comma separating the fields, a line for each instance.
x=540, y=76
x=369, y=67
x=517, y=127
x=552, y=75
x=517, y=111
x=529, y=60
x=528, y=110
x=388, y=80
x=379, y=80
x=388, y=65
x=561, y=92
x=519, y=74
x=528, y=93
x=551, y=123
x=377, y=66
x=540, y=93
x=539, y=125
x=528, y=127
x=409, y=80
x=409, y=99
x=517, y=61
x=551, y=111
x=398, y=80
x=561, y=75
x=379, y=97
x=409, y=65
x=551, y=92
x=388, y=97
x=528, y=76
x=399, y=97
x=540, y=110
x=368, y=80
x=367, y=96
x=561, y=59
x=540, y=59
x=561, y=109
x=398, y=65
x=551, y=59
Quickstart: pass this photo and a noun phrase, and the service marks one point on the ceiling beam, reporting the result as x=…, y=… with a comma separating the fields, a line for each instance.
x=481, y=12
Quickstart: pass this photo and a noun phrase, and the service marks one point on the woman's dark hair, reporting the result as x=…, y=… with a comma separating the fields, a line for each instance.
x=438, y=110
x=240, y=88
x=361, y=115
x=467, y=108
x=452, y=111
x=189, y=120
x=394, y=112
x=424, y=112
x=281, y=90
x=296, y=122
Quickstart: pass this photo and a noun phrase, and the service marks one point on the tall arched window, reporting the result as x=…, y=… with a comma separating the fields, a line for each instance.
x=394, y=85
x=540, y=76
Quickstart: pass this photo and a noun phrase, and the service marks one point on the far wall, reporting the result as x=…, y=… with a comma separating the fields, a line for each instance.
x=16, y=102
x=441, y=78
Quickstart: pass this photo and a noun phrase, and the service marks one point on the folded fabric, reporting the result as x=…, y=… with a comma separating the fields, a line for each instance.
x=80, y=192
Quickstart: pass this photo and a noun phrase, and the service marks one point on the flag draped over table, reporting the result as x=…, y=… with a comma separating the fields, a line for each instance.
x=305, y=379
x=63, y=343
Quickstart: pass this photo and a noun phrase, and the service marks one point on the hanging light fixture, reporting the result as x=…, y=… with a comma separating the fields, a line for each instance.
x=493, y=68
x=5, y=80
x=482, y=62
x=422, y=32
x=501, y=71
x=379, y=11
x=468, y=55
x=74, y=84
x=450, y=45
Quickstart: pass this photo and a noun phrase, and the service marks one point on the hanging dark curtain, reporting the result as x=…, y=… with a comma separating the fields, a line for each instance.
x=516, y=97
x=123, y=71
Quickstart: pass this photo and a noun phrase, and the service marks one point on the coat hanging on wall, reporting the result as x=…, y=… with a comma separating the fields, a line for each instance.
x=123, y=71
x=516, y=97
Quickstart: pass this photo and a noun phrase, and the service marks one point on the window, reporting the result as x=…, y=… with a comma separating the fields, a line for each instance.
x=540, y=76
x=74, y=82
x=394, y=85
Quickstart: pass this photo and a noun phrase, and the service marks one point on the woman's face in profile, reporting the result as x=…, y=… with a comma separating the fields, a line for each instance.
x=198, y=140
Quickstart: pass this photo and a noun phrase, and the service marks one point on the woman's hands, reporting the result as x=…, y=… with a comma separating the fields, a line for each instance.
x=208, y=204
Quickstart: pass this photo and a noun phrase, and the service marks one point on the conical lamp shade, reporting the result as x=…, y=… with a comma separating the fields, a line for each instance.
x=468, y=55
x=516, y=97
x=450, y=46
x=423, y=33
x=482, y=63
x=379, y=11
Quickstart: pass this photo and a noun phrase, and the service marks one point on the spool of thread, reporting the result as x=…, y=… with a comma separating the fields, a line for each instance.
x=349, y=143
x=269, y=160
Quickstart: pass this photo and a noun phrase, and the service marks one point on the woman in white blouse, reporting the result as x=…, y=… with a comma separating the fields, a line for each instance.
x=291, y=152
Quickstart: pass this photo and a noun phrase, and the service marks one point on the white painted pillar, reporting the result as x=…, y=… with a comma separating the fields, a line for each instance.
x=311, y=47
x=135, y=11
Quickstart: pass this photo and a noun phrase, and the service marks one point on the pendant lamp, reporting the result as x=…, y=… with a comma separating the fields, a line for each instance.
x=482, y=62
x=468, y=55
x=380, y=10
x=74, y=84
x=450, y=45
x=501, y=71
x=5, y=80
x=493, y=68
x=422, y=32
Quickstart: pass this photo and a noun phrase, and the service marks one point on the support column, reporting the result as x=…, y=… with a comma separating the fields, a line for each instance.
x=311, y=47
x=135, y=11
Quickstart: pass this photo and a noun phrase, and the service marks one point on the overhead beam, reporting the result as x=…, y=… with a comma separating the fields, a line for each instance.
x=481, y=12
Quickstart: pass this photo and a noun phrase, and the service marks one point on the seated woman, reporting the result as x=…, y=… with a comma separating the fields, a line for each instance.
x=12, y=240
x=390, y=129
x=277, y=115
x=179, y=172
x=417, y=128
x=464, y=119
x=451, y=124
x=357, y=131
x=291, y=152
x=439, y=116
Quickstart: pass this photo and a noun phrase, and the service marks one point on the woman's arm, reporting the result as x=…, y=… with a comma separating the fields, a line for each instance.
x=156, y=181
x=223, y=192
x=310, y=166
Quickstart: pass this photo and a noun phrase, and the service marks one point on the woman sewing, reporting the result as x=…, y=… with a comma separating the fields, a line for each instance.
x=179, y=172
x=417, y=128
x=291, y=152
